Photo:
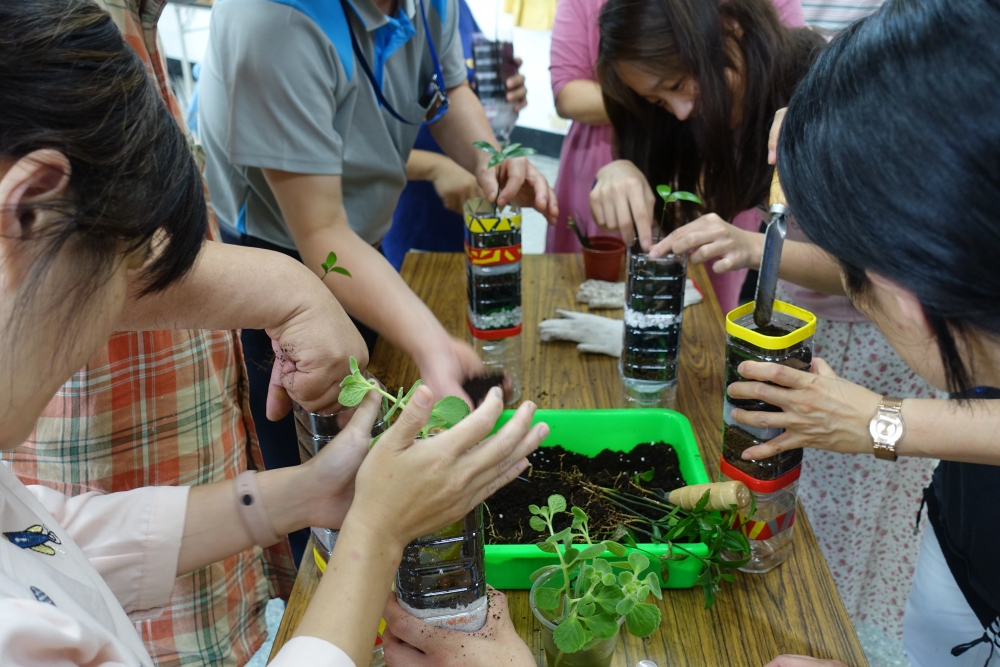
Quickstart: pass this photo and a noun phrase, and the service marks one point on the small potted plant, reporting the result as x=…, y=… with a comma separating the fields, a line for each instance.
x=442, y=575
x=583, y=601
x=654, y=303
x=602, y=255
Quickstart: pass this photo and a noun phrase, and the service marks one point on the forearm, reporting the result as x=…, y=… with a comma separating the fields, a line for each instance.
x=804, y=264
x=223, y=291
x=351, y=596
x=581, y=101
x=950, y=430
x=464, y=123
x=214, y=530
x=423, y=165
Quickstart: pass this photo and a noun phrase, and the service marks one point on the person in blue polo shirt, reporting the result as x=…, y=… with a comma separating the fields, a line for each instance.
x=308, y=111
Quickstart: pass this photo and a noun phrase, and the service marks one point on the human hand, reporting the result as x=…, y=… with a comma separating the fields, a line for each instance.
x=802, y=661
x=409, y=642
x=820, y=410
x=453, y=184
x=522, y=182
x=516, y=92
x=407, y=488
x=448, y=364
x=772, y=137
x=312, y=352
x=711, y=237
x=620, y=196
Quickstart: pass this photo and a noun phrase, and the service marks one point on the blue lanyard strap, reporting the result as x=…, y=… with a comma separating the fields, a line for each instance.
x=437, y=82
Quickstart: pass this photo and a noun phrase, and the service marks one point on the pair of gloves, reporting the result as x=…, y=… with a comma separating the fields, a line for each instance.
x=593, y=333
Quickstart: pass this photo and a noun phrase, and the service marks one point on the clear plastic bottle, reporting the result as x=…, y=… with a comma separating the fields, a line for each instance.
x=493, y=275
x=654, y=311
x=493, y=63
x=787, y=340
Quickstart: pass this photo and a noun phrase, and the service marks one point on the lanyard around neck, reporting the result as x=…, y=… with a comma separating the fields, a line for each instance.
x=436, y=89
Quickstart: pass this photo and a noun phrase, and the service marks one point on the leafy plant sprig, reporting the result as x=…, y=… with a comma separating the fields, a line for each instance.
x=446, y=413
x=505, y=152
x=330, y=266
x=663, y=523
x=583, y=238
x=595, y=592
x=669, y=196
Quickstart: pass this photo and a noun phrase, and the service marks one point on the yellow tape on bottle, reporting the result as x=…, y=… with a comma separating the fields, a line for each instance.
x=807, y=329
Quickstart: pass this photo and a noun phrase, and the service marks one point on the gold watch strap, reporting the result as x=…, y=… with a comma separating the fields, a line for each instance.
x=888, y=408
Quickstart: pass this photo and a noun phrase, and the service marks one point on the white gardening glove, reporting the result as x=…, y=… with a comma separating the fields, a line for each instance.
x=601, y=294
x=595, y=334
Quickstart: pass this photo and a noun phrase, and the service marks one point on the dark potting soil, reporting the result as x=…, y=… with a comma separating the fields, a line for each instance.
x=577, y=478
x=493, y=239
x=478, y=387
x=735, y=440
x=651, y=354
x=492, y=292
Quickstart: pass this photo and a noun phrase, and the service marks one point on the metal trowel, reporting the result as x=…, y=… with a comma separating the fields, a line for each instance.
x=770, y=258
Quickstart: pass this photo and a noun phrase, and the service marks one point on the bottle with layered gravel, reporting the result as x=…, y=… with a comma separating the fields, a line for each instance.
x=493, y=274
x=654, y=310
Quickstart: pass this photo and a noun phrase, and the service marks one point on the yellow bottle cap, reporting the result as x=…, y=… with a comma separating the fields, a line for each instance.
x=771, y=342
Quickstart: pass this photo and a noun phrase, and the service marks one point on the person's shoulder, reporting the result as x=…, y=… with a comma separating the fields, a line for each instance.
x=274, y=20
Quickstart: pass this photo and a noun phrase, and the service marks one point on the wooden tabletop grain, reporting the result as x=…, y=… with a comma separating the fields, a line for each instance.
x=792, y=609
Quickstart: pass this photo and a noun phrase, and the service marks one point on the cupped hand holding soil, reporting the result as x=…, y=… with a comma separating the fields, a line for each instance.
x=408, y=487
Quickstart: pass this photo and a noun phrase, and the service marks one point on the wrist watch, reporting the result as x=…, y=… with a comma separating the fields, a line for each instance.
x=886, y=428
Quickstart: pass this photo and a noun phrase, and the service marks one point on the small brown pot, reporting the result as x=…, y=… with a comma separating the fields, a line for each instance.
x=603, y=260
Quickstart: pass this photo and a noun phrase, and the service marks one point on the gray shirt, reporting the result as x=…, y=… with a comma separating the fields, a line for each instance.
x=281, y=89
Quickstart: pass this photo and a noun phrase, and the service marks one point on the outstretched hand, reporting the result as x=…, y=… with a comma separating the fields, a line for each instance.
x=820, y=409
x=522, y=183
x=409, y=642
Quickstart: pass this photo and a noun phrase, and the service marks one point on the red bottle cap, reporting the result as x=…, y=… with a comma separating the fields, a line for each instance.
x=759, y=485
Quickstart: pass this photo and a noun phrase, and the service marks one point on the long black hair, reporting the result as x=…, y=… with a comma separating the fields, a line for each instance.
x=890, y=157
x=692, y=38
x=69, y=82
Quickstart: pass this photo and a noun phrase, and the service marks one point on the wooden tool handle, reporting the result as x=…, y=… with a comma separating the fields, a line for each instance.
x=722, y=495
x=777, y=195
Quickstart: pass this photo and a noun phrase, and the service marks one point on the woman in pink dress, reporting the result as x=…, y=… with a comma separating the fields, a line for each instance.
x=691, y=88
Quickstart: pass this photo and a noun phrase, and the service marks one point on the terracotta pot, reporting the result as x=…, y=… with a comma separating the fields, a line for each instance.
x=603, y=260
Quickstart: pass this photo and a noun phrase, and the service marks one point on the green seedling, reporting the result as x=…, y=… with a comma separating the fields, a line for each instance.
x=330, y=266
x=507, y=151
x=595, y=592
x=446, y=413
x=669, y=196
x=584, y=239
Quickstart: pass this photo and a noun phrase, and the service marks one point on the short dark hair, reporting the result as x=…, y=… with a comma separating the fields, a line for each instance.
x=69, y=82
x=890, y=158
x=689, y=37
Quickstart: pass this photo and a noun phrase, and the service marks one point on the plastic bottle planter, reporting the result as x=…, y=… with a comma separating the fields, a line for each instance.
x=654, y=308
x=597, y=653
x=442, y=578
x=313, y=431
x=787, y=340
x=493, y=274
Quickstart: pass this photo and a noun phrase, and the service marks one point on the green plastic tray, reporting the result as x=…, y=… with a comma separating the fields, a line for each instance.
x=589, y=432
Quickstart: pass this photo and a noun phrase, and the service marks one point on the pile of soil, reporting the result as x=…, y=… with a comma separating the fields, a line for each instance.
x=577, y=478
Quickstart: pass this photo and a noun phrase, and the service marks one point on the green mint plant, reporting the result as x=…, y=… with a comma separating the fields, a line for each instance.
x=506, y=151
x=330, y=266
x=669, y=196
x=663, y=523
x=595, y=592
x=446, y=413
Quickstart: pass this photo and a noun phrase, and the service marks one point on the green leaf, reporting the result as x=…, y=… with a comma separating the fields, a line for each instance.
x=709, y=591
x=608, y=579
x=625, y=606
x=557, y=503
x=342, y=271
x=615, y=548
x=451, y=409
x=485, y=146
x=593, y=551
x=702, y=503
x=570, y=554
x=537, y=523
x=602, y=566
x=547, y=598
x=547, y=547
x=586, y=608
x=569, y=635
x=331, y=261
x=653, y=582
x=648, y=475
x=604, y=626
x=637, y=562
x=643, y=620
x=354, y=366
x=535, y=509
x=494, y=161
x=507, y=150
x=579, y=514
x=664, y=192
x=608, y=598
x=687, y=196
x=352, y=391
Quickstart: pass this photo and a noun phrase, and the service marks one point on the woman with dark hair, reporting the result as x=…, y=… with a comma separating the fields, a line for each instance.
x=890, y=157
x=89, y=213
x=691, y=88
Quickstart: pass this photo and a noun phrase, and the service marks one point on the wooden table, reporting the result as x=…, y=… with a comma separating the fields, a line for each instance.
x=792, y=609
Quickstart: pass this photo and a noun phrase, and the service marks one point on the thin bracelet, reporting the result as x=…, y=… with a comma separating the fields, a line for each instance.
x=252, y=510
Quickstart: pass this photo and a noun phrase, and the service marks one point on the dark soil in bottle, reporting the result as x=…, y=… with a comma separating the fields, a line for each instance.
x=651, y=354
x=445, y=570
x=798, y=356
x=576, y=477
x=489, y=293
x=478, y=387
x=735, y=440
x=493, y=239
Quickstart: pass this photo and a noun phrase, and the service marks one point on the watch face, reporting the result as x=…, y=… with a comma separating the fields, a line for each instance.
x=886, y=429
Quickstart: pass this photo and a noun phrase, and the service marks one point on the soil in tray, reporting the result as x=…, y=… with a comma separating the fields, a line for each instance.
x=555, y=470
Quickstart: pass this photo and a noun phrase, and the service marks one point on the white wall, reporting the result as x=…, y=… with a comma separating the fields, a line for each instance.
x=532, y=46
